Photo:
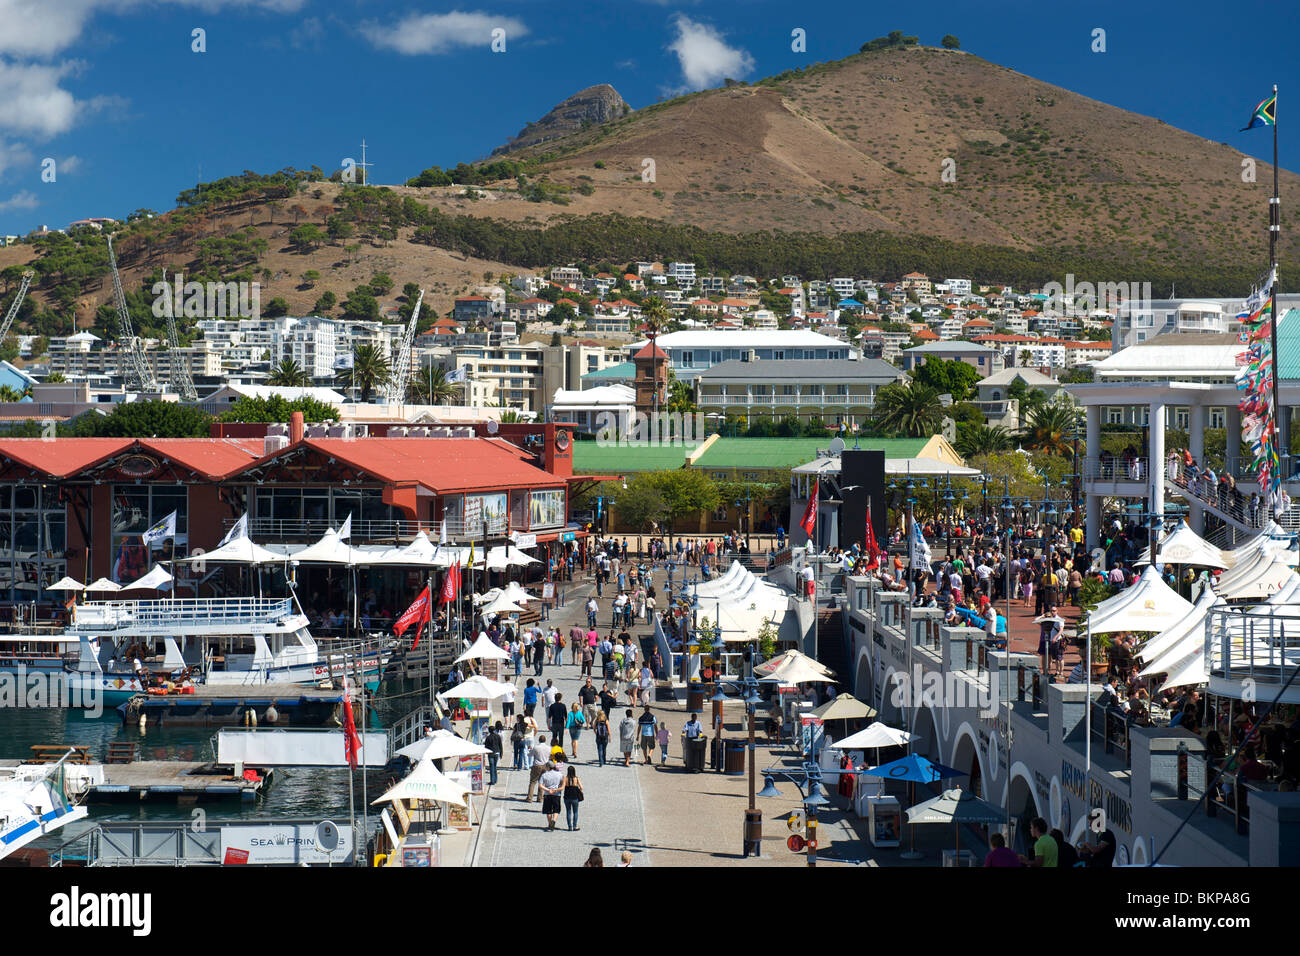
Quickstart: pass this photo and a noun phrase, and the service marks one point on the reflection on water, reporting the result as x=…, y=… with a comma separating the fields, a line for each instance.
x=295, y=792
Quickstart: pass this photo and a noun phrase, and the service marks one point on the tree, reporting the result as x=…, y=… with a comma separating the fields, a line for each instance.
x=1050, y=428
x=370, y=370
x=153, y=419
x=431, y=387
x=276, y=408
x=306, y=237
x=381, y=284
x=950, y=42
x=642, y=505
x=338, y=228
x=685, y=492
x=974, y=440
x=55, y=377
x=276, y=307
x=326, y=302
x=953, y=376
x=361, y=304
x=911, y=410
x=10, y=394
x=289, y=374
x=310, y=278
x=9, y=348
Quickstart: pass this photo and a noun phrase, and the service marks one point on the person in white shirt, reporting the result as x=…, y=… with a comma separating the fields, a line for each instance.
x=549, y=694
x=508, y=700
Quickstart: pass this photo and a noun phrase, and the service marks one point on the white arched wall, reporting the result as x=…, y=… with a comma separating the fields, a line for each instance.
x=967, y=733
x=1022, y=772
x=926, y=726
x=864, y=688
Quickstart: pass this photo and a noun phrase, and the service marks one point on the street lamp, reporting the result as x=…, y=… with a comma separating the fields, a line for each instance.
x=753, y=833
x=743, y=504
x=809, y=781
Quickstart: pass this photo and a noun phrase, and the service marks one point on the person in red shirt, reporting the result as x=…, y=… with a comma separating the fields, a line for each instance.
x=1000, y=855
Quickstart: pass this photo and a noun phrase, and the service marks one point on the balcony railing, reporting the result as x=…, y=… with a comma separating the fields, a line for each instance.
x=181, y=615
x=1116, y=469
x=310, y=529
x=1257, y=645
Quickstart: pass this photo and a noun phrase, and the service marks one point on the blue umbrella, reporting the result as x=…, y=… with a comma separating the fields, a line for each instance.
x=913, y=768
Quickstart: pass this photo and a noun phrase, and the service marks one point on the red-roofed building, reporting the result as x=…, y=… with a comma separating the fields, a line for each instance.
x=78, y=506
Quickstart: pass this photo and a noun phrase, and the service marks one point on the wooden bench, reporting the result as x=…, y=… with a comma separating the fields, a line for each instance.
x=53, y=753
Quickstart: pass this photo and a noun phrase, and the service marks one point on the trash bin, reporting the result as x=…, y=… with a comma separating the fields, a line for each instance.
x=695, y=698
x=693, y=754
x=735, y=757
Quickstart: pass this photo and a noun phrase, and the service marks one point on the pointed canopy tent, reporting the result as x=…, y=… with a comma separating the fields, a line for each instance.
x=1273, y=536
x=1185, y=546
x=844, y=707
x=426, y=782
x=331, y=549
x=1149, y=605
x=477, y=687
x=502, y=557
x=420, y=553
x=103, y=584
x=66, y=584
x=875, y=736
x=501, y=605
x=439, y=745
x=1265, y=578
x=483, y=648
x=780, y=660
x=155, y=579
x=239, y=551
x=1191, y=623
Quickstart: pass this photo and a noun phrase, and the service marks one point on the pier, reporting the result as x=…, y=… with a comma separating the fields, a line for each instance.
x=215, y=705
x=178, y=781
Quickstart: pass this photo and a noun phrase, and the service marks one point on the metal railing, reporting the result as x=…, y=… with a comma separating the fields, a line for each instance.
x=309, y=529
x=1110, y=729
x=1116, y=469
x=1252, y=644
x=181, y=614
x=1246, y=509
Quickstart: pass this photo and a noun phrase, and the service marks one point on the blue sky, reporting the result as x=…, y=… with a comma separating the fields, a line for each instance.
x=112, y=91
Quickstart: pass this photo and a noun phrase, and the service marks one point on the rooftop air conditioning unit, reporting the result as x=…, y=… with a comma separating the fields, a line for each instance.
x=419, y=432
x=274, y=443
x=317, y=431
x=278, y=428
x=340, y=431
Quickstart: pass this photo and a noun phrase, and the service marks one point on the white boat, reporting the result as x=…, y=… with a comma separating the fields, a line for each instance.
x=34, y=802
x=218, y=641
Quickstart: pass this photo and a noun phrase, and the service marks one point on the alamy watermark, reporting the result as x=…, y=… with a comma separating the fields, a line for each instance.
x=38, y=690
x=656, y=428
x=1075, y=297
x=206, y=300
x=934, y=689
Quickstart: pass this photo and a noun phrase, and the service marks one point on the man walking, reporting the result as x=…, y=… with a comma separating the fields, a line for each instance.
x=626, y=736
x=531, y=694
x=587, y=697
x=493, y=743
x=557, y=716
x=541, y=757
x=646, y=733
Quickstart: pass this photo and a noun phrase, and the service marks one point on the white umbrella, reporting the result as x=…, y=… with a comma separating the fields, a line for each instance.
x=330, y=549
x=441, y=744
x=103, y=584
x=66, y=584
x=502, y=605
x=798, y=671
x=514, y=592
x=876, y=735
x=483, y=648
x=477, y=687
x=152, y=581
x=421, y=552
x=782, y=659
x=426, y=782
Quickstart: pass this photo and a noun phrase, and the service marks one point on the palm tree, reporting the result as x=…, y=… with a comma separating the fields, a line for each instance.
x=510, y=417
x=655, y=312
x=289, y=374
x=370, y=370
x=909, y=410
x=973, y=440
x=1050, y=428
x=432, y=388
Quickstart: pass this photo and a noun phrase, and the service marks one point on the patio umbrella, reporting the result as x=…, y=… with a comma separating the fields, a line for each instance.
x=66, y=583
x=501, y=605
x=477, y=687
x=772, y=664
x=875, y=736
x=845, y=707
x=441, y=744
x=798, y=671
x=103, y=584
x=955, y=806
x=426, y=782
x=152, y=581
x=914, y=769
x=483, y=648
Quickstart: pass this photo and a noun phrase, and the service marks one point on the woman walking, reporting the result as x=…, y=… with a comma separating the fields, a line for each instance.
x=573, y=796
x=601, y=731
x=577, y=722
x=517, y=735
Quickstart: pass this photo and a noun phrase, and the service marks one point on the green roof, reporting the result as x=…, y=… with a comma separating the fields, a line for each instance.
x=621, y=370
x=600, y=458
x=792, y=452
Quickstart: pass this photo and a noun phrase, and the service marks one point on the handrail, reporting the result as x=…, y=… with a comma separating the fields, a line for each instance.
x=110, y=615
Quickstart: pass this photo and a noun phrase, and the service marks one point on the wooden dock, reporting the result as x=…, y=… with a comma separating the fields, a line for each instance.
x=215, y=705
x=179, y=781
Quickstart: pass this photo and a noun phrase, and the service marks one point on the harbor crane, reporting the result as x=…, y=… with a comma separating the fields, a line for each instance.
x=16, y=304
x=395, y=393
x=137, y=373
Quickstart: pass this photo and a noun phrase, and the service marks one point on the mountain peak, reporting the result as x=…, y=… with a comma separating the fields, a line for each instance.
x=590, y=107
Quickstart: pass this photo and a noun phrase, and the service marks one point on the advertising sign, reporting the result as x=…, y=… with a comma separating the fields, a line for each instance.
x=285, y=844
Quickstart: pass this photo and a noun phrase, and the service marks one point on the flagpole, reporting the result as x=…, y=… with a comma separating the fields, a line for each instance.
x=1274, y=228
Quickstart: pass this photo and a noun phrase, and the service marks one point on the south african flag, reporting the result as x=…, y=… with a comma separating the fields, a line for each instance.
x=1265, y=114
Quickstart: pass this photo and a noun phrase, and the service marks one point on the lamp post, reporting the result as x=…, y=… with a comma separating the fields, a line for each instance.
x=743, y=504
x=753, y=832
x=809, y=781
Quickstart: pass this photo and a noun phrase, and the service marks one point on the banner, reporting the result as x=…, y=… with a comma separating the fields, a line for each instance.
x=418, y=613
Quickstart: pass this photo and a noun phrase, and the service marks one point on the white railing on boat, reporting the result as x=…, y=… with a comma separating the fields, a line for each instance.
x=183, y=614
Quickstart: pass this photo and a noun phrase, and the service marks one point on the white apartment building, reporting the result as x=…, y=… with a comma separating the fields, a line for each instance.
x=763, y=319
x=682, y=272
x=844, y=287
x=691, y=352
x=958, y=286
x=202, y=360
x=566, y=275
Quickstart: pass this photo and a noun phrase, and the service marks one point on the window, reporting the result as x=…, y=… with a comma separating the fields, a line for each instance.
x=33, y=539
x=546, y=509
x=715, y=357
x=688, y=358
x=778, y=354
x=787, y=389
x=1114, y=416
x=720, y=514
x=718, y=475
x=136, y=509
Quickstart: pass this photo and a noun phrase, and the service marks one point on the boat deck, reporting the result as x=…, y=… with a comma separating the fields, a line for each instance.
x=168, y=780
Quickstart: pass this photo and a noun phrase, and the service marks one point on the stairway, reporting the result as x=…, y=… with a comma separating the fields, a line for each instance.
x=1234, y=510
x=831, y=648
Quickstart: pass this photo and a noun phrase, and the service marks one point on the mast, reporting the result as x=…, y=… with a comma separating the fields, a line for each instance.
x=1274, y=228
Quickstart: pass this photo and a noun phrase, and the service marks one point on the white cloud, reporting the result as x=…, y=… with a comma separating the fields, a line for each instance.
x=13, y=154
x=69, y=164
x=32, y=101
x=23, y=200
x=705, y=58
x=440, y=32
x=307, y=35
x=44, y=28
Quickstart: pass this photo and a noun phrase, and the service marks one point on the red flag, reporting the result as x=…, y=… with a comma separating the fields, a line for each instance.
x=418, y=613
x=351, y=742
x=809, y=520
x=872, y=550
x=450, y=584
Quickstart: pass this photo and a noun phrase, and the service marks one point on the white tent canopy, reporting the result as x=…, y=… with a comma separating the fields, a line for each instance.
x=501, y=605
x=239, y=551
x=1260, y=576
x=477, y=687
x=1192, y=623
x=502, y=557
x=1185, y=546
x=426, y=782
x=103, y=584
x=420, y=553
x=66, y=583
x=331, y=549
x=798, y=671
x=483, y=648
x=780, y=660
x=1149, y=605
